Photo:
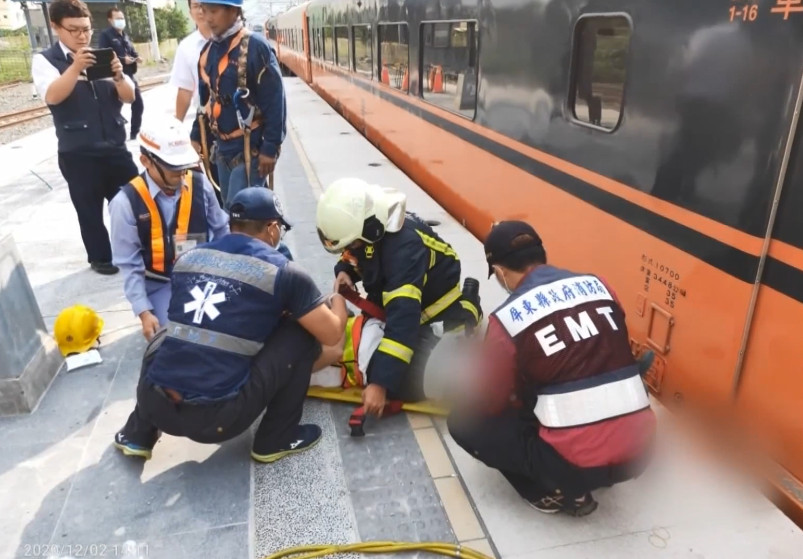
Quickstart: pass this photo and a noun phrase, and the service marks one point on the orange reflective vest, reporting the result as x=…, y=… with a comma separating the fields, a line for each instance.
x=156, y=236
x=349, y=366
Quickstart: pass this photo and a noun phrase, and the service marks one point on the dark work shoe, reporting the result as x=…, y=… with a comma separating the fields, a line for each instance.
x=557, y=502
x=105, y=268
x=129, y=448
x=306, y=437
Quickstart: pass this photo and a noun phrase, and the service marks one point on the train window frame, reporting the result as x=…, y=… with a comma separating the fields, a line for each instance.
x=570, y=104
x=353, y=50
x=347, y=67
x=333, y=58
x=423, y=47
x=378, y=62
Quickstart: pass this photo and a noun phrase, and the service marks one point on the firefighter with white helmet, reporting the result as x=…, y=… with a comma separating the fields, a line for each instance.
x=407, y=271
x=163, y=212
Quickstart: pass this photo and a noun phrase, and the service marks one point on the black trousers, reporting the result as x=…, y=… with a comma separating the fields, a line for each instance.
x=277, y=385
x=90, y=179
x=510, y=443
x=137, y=108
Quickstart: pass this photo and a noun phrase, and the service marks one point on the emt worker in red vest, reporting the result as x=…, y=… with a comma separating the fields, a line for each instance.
x=167, y=210
x=245, y=330
x=560, y=408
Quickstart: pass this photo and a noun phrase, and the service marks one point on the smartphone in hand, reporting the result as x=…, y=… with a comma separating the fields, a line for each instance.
x=102, y=68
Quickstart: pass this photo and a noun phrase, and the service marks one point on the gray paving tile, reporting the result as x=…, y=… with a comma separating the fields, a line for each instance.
x=209, y=488
x=303, y=499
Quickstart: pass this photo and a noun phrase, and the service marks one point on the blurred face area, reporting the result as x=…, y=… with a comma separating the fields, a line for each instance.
x=218, y=17
x=197, y=15
x=74, y=32
x=165, y=178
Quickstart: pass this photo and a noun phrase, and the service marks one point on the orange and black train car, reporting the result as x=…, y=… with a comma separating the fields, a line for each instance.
x=656, y=143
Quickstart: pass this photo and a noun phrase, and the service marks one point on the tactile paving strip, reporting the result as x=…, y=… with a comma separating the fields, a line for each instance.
x=393, y=494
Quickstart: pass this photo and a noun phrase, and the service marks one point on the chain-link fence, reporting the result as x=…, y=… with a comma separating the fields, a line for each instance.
x=15, y=65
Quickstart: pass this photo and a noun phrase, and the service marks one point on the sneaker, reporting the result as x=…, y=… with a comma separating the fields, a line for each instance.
x=306, y=437
x=550, y=504
x=129, y=448
x=105, y=268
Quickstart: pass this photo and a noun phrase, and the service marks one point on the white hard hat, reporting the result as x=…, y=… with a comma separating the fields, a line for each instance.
x=169, y=143
x=352, y=209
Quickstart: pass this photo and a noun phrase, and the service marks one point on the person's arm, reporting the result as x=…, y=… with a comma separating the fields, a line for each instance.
x=203, y=95
x=61, y=87
x=270, y=98
x=122, y=83
x=323, y=317
x=345, y=273
x=181, y=77
x=127, y=255
x=43, y=74
x=496, y=376
x=404, y=267
x=183, y=102
x=216, y=218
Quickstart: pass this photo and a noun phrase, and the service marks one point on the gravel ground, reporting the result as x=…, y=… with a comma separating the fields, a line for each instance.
x=22, y=96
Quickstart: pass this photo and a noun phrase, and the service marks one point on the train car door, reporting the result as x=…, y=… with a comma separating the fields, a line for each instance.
x=769, y=386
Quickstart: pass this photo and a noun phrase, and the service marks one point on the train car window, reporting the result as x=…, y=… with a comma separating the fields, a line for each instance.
x=599, y=70
x=394, y=55
x=342, y=38
x=328, y=44
x=363, y=53
x=449, y=66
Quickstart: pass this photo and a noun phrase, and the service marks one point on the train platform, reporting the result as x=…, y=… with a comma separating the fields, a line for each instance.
x=66, y=492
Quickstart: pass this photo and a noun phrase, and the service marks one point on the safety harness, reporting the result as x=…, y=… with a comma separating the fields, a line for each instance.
x=242, y=104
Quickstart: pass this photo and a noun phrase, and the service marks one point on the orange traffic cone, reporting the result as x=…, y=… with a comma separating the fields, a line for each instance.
x=404, y=81
x=437, y=85
x=385, y=75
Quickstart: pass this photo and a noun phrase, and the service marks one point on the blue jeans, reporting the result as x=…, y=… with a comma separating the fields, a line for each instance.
x=231, y=175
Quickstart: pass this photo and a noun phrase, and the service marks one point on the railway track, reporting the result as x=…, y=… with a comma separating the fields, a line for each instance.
x=14, y=118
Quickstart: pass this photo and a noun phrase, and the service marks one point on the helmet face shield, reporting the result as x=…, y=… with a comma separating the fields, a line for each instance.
x=329, y=245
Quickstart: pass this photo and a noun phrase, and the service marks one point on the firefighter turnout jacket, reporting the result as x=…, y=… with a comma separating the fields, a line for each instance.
x=415, y=276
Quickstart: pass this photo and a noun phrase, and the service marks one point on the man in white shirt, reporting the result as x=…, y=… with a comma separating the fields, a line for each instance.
x=184, y=74
x=86, y=102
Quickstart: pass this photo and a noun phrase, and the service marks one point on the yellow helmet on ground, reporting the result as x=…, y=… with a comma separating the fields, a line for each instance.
x=76, y=329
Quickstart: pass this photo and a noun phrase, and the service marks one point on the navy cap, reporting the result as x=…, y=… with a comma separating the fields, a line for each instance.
x=499, y=244
x=257, y=203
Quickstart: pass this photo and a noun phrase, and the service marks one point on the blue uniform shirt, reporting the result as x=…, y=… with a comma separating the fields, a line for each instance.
x=122, y=45
x=127, y=248
x=264, y=81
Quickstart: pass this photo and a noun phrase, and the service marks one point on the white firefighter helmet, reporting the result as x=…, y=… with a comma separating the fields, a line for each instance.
x=169, y=143
x=351, y=209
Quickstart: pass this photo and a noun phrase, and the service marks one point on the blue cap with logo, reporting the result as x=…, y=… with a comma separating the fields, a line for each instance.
x=257, y=203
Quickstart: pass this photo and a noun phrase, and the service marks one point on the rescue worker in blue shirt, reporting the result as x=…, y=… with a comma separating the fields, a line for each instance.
x=115, y=37
x=164, y=211
x=247, y=144
x=245, y=330
x=407, y=269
